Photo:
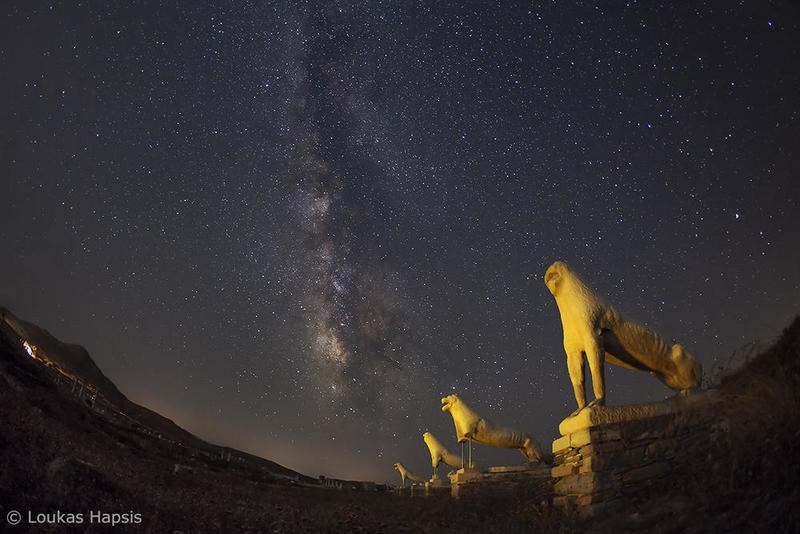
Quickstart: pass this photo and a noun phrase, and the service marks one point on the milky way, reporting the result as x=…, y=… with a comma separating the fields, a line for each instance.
x=293, y=227
x=357, y=324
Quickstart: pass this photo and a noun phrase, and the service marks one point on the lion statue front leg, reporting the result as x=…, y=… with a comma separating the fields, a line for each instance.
x=575, y=367
x=595, y=355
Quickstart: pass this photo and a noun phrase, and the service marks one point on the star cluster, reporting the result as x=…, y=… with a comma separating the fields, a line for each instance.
x=293, y=226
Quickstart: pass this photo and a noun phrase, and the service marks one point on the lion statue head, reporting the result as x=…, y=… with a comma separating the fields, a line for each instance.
x=449, y=402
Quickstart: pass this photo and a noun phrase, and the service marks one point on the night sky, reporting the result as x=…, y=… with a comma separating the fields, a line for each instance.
x=294, y=227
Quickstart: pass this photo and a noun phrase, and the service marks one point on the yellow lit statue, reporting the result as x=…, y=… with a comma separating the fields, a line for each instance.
x=406, y=474
x=473, y=427
x=440, y=454
x=595, y=329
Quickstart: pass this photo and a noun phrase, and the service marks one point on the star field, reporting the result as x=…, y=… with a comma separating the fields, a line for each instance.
x=293, y=226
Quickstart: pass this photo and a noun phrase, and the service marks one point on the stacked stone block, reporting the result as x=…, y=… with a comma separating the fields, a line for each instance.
x=502, y=480
x=603, y=466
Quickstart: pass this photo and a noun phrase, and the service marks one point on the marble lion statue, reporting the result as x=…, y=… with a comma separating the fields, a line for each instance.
x=471, y=426
x=596, y=330
x=440, y=454
x=406, y=474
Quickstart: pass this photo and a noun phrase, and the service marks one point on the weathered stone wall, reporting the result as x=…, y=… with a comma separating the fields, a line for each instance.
x=511, y=480
x=601, y=466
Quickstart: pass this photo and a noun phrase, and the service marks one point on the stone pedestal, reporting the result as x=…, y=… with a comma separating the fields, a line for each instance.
x=435, y=481
x=498, y=480
x=608, y=453
x=436, y=486
x=462, y=476
x=417, y=489
x=526, y=468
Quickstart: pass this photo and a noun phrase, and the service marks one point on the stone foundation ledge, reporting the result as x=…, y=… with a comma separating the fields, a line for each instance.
x=588, y=483
x=605, y=415
x=606, y=455
x=504, y=472
x=464, y=474
x=502, y=480
x=525, y=468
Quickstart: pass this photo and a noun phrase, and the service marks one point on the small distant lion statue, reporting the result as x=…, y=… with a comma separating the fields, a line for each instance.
x=470, y=425
x=406, y=474
x=595, y=329
x=440, y=454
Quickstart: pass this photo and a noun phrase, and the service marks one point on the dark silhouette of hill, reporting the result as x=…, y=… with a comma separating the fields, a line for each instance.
x=73, y=361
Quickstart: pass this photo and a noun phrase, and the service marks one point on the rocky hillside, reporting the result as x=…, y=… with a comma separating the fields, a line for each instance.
x=71, y=365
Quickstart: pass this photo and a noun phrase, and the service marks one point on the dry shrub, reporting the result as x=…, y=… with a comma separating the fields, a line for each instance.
x=762, y=406
x=755, y=478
